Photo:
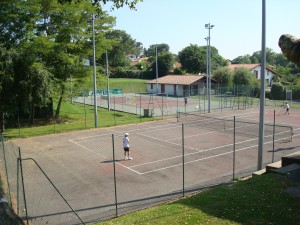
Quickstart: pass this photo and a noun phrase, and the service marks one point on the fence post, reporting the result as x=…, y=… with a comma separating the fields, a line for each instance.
x=183, y=189
x=233, y=159
x=6, y=170
x=115, y=180
x=273, y=152
x=18, y=190
x=19, y=125
x=84, y=110
x=140, y=107
x=115, y=111
x=23, y=186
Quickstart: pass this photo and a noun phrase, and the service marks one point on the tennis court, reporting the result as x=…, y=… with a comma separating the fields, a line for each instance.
x=170, y=157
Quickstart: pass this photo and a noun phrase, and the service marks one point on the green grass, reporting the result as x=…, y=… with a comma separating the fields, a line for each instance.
x=74, y=116
x=260, y=200
x=127, y=85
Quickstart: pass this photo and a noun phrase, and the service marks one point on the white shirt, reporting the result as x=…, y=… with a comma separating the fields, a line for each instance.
x=126, y=142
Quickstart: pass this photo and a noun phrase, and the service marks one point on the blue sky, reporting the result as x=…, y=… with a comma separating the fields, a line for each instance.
x=237, y=31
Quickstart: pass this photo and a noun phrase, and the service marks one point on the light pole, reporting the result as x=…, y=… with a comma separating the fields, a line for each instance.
x=207, y=66
x=209, y=27
x=262, y=90
x=94, y=73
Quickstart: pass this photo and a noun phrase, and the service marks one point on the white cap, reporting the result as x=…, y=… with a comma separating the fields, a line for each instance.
x=126, y=134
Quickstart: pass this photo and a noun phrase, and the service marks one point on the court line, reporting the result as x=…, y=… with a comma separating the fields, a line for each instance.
x=90, y=150
x=214, y=156
x=197, y=152
x=153, y=128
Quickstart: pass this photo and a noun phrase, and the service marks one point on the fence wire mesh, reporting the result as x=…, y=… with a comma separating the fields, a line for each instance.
x=82, y=177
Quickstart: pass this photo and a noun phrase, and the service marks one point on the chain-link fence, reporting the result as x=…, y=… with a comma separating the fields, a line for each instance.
x=83, y=178
x=118, y=108
x=11, y=176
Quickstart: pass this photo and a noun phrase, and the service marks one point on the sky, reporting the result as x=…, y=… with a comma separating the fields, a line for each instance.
x=237, y=24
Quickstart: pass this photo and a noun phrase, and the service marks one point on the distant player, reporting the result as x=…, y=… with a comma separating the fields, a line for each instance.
x=126, y=147
x=287, y=108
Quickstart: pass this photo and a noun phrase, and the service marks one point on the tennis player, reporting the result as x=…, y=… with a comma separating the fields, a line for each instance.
x=287, y=107
x=126, y=147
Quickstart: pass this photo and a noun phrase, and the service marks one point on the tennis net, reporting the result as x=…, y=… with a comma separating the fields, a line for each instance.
x=241, y=126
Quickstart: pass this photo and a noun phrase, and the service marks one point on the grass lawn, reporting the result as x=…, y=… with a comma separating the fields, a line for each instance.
x=74, y=116
x=127, y=85
x=260, y=200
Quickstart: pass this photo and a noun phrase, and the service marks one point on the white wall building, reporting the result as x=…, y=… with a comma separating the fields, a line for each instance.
x=178, y=85
x=256, y=69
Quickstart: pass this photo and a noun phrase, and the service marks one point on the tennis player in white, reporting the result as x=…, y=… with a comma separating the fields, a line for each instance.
x=126, y=147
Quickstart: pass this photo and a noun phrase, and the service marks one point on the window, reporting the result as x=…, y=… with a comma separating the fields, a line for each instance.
x=151, y=86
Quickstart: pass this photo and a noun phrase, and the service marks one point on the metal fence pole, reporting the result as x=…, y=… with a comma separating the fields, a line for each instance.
x=23, y=186
x=273, y=152
x=183, y=188
x=162, y=106
x=115, y=180
x=6, y=169
x=18, y=189
x=54, y=121
x=84, y=110
x=19, y=125
x=115, y=110
x=233, y=160
x=140, y=107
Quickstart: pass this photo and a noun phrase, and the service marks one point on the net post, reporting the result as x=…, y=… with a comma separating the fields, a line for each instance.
x=233, y=157
x=115, y=180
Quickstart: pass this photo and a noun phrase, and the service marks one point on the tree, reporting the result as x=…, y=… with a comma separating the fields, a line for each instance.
x=55, y=36
x=245, y=59
x=123, y=45
x=7, y=95
x=161, y=48
x=116, y=3
x=277, y=91
x=243, y=76
x=224, y=76
x=193, y=59
x=165, y=63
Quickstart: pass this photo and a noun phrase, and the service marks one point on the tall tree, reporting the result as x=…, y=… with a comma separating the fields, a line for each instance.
x=224, y=76
x=245, y=59
x=193, y=59
x=243, y=76
x=165, y=62
x=161, y=48
x=56, y=35
x=123, y=45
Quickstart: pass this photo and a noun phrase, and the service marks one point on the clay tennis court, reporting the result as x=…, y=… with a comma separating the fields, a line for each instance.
x=80, y=164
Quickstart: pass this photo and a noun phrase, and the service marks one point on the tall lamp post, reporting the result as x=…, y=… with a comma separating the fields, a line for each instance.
x=209, y=27
x=94, y=73
x=262, y=90
x=207, y=66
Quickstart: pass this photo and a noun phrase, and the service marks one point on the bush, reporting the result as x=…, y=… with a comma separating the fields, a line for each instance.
x=120, y=72
x=277, y=91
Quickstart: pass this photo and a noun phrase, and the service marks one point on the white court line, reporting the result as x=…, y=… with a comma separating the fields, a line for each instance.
x=120, y=133
x=210, y=157
x=197, y=150
x=104, y=157
x=193, y=153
